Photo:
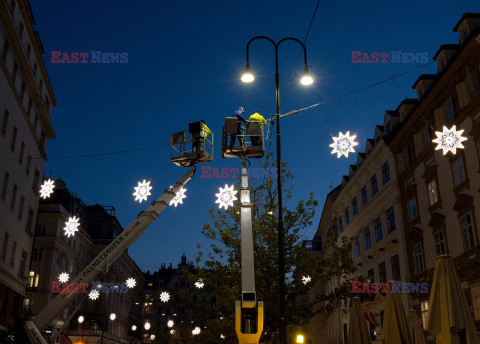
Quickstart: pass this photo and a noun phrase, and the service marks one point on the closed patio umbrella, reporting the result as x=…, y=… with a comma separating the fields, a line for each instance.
x=416, y=330
x=449, y=318
x=358, y=331
x=395, y=327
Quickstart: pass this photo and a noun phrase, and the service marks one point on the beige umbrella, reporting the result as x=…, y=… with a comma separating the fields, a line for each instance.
x=416, y=331
x=395, y=328
x=449, y=317
x=358, y=331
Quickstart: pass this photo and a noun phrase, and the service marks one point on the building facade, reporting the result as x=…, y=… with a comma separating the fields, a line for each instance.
x=440, y=193
x=26, y=100
x=55, y=253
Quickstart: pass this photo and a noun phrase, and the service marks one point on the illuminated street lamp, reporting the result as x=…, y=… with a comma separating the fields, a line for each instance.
x=305, y=80
x=81, y=318
x=300, y=339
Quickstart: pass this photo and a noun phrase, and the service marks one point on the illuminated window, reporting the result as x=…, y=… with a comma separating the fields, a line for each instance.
x=432, y=192
x=424, y=308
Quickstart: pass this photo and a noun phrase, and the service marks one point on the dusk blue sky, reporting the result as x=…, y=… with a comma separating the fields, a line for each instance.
x=185, y=59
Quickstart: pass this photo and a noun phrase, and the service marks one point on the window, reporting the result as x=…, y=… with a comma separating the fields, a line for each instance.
x=378, y=230
x=32, y=279
x=390, y=220
x=20, y=210
x=28, y=227
x=373, y=184
x=35, y=181
x=5, y=246
x=407, y=156
x=432, y=192
x=14, y=139
x=6, y=46
x=395, y=267
x=5, y=122
x=382, y=272
x=14, y=71
x=467, y=231
x=37, y=254
x=412, y=209
x=473, y=84
x=424, y=309
x=22, y=91
x=5, y=186
x=347, y=216
x=29, y=50
x=29, y=163
x=14, y=252
x=357, y=246
x=22, y=151
x=449, y=110
x=354, y=206
x=475, y=290
x=366, y=233
x=35, y=67
x=23, y=263
x=385, y=173
x=439, y=239
x=14, y=197
x=340, y=224
x=364, y=195
x=426, y=137
x=457, y=172
x=418, y=258
x=371, y=276
x=35, y=123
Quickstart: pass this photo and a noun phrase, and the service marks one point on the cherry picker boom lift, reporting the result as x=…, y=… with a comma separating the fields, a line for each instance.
x=201, y=151
x=248, y=311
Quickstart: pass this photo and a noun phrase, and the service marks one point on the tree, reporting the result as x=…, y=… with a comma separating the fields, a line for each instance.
x=220, y=270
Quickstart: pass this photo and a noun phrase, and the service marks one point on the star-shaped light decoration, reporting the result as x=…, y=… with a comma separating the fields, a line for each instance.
x=142, y=191
x=226, y=197
x=63, y=277
x=449, y=140
x=94, y=294
x=179, y=197
x=113, y=316
x=47, y=188
x=170, y=323
x=306, y=279
x=147, y=326
x=131, y=282
x=199, y=284
x=164, y=296
x=172, y=331
x=343, y=144
x=196, y=331
x=71, y=226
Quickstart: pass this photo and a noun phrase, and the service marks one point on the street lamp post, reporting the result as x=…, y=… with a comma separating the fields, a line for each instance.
x=306, y=79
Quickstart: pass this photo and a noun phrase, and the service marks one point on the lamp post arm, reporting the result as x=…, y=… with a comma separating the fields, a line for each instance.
x=299, y=42
x=259, y=37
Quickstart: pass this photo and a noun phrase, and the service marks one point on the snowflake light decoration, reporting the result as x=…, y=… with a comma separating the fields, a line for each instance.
x=226, y=197
x=71, y=226
x=94, y=294
x=63, y=277
x=343, y=144
x=113, y=316
x=131, y=283
x=449, y=140
x=196, y=331
x=147, y=326
x=306, y=279
x=164, y=296
x=179, y=197
x=199, y=284
x=142, y=191
x=47, y=188
x=172, y=331
x=170, y=323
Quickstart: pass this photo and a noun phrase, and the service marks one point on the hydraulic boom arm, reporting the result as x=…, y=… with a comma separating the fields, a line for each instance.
x=104, y=259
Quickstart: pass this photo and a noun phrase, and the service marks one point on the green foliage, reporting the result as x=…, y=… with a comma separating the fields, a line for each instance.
x=221, y=271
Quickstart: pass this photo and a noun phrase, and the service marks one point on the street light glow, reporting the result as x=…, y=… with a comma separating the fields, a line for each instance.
x=134, y=327
x=300, y=339
x=81, y=319
x=306, y=78
x=247, y=75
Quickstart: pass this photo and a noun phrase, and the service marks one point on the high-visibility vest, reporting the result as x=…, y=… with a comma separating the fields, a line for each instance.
x=256, y=117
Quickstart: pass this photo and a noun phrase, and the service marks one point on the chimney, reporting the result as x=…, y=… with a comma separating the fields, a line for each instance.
x=467, y=23
x=423, y=83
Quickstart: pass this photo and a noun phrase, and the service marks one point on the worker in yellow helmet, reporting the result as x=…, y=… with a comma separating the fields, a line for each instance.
x=256, y=118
